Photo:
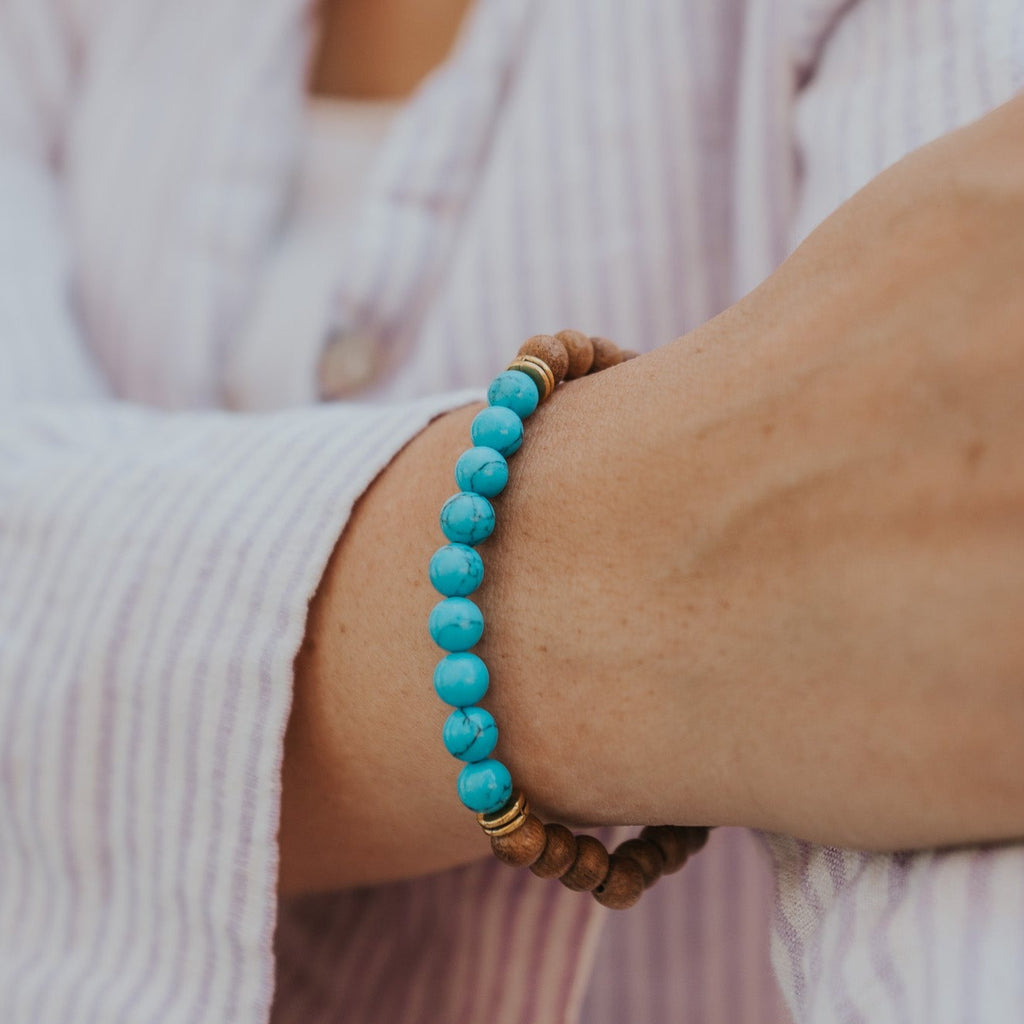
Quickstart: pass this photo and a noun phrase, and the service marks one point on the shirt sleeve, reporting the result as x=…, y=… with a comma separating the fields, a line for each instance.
x=156, y=570
x=928, y=936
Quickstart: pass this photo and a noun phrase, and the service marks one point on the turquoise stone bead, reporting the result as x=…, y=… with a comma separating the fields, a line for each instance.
x=470, y=734
x=461, y=679
x=499, y=428
x=467, y=518
x=456, y=624
x=482, y=471
x=456, y=570
x=514, y=390
x=485, y=786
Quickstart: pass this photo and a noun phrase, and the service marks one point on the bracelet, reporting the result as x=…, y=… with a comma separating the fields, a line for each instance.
x=519, y=838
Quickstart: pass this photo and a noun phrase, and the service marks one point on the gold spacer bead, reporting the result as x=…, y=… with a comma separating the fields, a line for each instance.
x=505, y=814
x=550, y=381
x=511, y=817
x=513, y=826
x=538, y=371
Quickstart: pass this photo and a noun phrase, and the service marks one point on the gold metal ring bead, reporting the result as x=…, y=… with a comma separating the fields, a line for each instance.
x=550, y=381
x=538, y=371
x=505, y=821
x=513, y=826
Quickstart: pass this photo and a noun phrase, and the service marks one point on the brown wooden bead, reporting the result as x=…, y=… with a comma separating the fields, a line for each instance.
x=697, y=837
x=559, y=853
x=675, y=843
x=606, y=353
x=646, y=855
x=622, y=886
x=590, y=866
x=522, y=847
x=581, y=352
x=627, y=354
x=551, y=350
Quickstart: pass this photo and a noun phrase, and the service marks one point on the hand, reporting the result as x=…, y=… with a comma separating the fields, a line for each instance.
x=789, y=544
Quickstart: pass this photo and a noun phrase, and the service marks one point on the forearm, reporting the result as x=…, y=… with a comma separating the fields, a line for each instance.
x=783, y=608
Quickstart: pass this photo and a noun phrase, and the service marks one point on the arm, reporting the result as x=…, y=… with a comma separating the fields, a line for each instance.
x=768, y=575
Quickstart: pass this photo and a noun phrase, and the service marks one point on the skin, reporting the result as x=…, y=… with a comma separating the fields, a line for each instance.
x=382, y=49
x=770, y=574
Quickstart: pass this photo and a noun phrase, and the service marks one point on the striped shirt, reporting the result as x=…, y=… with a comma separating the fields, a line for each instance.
x=167, y=504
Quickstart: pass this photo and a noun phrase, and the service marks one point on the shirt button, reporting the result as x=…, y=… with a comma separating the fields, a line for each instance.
x=347, y=364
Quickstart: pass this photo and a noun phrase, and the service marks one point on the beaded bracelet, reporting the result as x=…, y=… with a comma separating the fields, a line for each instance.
x=461, y=679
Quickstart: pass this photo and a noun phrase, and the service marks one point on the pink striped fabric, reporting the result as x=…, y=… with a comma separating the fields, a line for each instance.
x=628, y=168
x=695, y=950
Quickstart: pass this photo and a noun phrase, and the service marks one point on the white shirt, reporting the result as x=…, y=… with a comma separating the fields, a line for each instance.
x=624, y=168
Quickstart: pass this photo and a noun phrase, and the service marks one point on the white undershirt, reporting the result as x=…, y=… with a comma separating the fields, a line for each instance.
x=341, y=141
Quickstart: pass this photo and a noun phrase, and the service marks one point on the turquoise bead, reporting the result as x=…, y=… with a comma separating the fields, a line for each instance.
x=515, y=391
x=485, y=786
x=461, y=679
x=499, y=428
x=467, y=518
x=456, y=570
x=482, y=471
x=470, y=734
x=456, y=624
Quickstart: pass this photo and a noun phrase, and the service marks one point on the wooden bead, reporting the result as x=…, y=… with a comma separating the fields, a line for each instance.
x=627, y=354
x=622, y=886
x=606, y=353
x=697, y=837
x=522, y=847
x=674, y=842
x=581, y=352
x=559, y=853
x=590, y=866
x=551, y=350
x=646, y=856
